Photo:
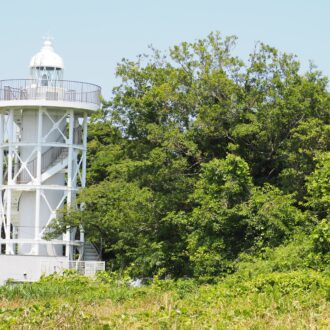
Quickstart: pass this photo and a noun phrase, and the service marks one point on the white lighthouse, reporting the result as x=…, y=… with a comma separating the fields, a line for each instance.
x=43, y=140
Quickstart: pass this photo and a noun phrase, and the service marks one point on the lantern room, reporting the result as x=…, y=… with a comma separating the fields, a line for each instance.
x=46, y=67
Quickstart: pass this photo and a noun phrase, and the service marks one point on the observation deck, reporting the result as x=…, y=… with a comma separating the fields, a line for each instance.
x=51, y=94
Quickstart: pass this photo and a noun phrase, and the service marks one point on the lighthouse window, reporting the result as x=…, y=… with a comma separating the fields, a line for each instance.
x=44, y=80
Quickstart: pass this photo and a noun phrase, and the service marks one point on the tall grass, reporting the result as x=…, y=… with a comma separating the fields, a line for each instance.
x=279, y=300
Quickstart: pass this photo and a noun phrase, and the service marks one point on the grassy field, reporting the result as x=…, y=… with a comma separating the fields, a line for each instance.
x=292, y=300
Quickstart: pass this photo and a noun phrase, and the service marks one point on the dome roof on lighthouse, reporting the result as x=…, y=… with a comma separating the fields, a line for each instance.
x=47, y=57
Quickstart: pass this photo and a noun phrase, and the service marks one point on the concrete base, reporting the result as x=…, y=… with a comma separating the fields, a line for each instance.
x=28, y=268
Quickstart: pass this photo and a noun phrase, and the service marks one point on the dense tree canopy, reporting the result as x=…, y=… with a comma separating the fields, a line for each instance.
x=200, y=157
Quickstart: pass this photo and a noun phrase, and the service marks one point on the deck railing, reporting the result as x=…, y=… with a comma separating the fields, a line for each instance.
x=87, y=268
x=56, y=90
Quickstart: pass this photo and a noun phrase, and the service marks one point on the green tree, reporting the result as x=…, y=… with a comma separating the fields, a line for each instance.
x=308, y=140
x=199, y=157
x=120, y=217
x=318, y=188
x=272, y=218
x=219, y=226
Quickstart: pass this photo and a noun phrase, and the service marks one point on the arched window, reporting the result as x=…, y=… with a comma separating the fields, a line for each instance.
x=44, y=80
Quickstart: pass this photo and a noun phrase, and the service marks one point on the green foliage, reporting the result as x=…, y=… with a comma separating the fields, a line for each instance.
x=321, y=244
x=44, y=315
x=272, y=218
x=293, y=299
x=310, y=138
x=225, y=226
x=217, y=222
x=299, y=254
x=199, y=158
x=206, y=167
x=122, y=213
x=226, y=181
x=321, y=237
x=318, y=189
x=287, y=283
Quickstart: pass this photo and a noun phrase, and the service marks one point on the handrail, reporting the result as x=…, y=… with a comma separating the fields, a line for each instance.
x=56, y=90
x=47, y=158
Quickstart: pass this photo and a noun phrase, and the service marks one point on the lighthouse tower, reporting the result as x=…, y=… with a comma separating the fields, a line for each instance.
x=43, y=140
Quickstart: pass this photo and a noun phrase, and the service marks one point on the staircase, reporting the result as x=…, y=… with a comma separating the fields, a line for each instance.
x=52, y=161
x=90, y=252
x=57, y=165
x=15, y=196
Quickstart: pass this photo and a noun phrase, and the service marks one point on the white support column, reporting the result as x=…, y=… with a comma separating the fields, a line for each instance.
x=1, y=148
x=84, y=164
x=75, y=164
x=10, y=178
x=38, y=182
x=1, y=172
x=70, y=177
x=84, y=153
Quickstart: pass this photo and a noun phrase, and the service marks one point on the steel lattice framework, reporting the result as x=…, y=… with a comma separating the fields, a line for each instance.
x=43, y=145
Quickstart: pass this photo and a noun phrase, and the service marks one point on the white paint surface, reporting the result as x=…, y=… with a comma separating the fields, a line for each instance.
x=26, y=268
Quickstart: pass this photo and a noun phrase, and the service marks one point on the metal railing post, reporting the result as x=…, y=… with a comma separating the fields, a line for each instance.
x=30, y=89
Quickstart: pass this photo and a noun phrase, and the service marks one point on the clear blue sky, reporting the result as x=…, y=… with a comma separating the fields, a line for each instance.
x=94, y=35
